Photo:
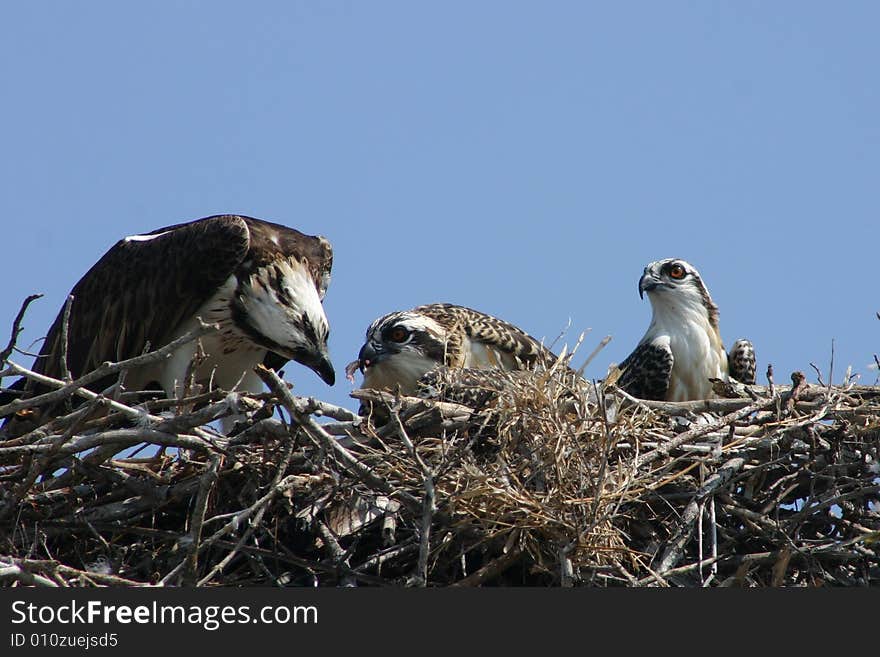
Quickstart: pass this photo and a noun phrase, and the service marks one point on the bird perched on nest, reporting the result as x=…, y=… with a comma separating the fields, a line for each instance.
x=261, y=282
x=407, y=350
x=682, y=349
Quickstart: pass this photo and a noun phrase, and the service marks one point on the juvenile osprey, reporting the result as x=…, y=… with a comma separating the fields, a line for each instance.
x=402, y=347
x=263, y=283
x=682, y=348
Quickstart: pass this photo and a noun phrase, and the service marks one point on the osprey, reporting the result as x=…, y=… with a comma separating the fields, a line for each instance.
x=402, y=347
x=261, y=282
x=682, y=348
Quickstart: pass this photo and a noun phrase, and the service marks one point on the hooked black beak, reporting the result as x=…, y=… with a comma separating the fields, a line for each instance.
x=370, y=354
x=647, y=282
x=319, y=363
x=325, y=370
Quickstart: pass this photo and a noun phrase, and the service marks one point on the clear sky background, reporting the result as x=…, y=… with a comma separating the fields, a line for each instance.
x=523, y=158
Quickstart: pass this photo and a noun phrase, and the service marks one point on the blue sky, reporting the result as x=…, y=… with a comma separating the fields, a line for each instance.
x=525, y=159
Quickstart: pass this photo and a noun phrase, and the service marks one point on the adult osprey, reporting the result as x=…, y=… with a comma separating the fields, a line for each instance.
x=402, y=347
x=682, y=349
x=261, y=282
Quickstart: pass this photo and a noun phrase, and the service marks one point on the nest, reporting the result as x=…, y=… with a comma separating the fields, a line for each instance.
x=540, y=479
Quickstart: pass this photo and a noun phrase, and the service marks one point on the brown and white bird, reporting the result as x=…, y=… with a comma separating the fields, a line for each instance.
x=682, y=348
x=402, y=347
x=261, y=282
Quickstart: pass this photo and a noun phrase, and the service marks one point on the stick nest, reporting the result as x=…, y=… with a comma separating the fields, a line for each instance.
x=540, y=479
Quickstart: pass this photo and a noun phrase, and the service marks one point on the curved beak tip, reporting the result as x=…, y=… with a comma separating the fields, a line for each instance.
x=646, y=284
x=368, y=355
x=324, y=368
x=327, y=373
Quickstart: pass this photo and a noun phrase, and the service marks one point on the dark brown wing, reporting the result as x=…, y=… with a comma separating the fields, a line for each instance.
x=741, y=362
x=480, y=327
x=645, y=372
x=142, y=289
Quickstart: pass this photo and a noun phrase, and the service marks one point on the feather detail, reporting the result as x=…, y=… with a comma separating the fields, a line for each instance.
x=149, y=289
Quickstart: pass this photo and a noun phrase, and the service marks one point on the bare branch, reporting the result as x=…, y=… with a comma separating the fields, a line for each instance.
x=65, y=330
x=271, y=379
x=548, y=483
x=206, y=485
x=77, y=387
x=16, y=327
x=685, y=527
x=430, y=504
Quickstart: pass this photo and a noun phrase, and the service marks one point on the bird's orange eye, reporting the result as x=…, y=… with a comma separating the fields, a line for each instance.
x=398, y=334
x=677, y=272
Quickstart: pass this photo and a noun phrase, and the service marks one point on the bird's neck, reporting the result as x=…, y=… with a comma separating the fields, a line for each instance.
x=676, y=315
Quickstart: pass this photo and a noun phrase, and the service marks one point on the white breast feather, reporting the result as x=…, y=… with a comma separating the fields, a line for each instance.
x=697, y=353
x=218, y=370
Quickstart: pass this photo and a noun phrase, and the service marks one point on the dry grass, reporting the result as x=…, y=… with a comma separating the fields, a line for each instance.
x=544, y=480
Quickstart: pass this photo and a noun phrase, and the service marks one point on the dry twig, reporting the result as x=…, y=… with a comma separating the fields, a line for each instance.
x=549, y=482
